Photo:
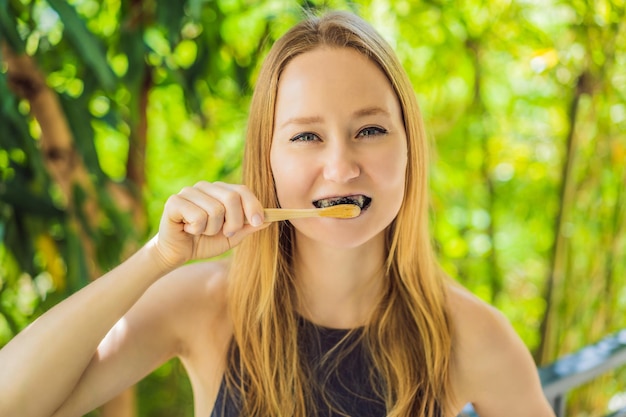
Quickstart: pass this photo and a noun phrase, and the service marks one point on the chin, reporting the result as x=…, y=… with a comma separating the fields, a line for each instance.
x=334, y=234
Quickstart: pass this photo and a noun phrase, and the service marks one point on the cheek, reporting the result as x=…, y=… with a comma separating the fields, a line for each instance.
x=288, y=177
x=393, y=174
x=392, y=168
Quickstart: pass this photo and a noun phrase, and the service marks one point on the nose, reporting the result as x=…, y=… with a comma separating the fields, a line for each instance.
x=341, y=163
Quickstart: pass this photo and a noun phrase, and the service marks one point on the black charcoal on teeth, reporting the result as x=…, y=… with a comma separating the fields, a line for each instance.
x=356, y=200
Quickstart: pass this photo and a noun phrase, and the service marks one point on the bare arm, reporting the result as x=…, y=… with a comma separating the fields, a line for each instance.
x=55, y=358
x=47, y=359
x=163, y=323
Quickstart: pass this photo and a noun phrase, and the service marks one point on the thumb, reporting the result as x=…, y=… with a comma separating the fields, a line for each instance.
x=244, y=232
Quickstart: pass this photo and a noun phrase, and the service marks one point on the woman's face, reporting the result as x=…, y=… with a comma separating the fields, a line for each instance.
x=338, y=136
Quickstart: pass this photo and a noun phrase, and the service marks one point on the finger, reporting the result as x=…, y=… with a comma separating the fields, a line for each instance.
x=213, y=209
x=252, y=207
x=246, y=231
x=240, y=204
x=229, y=197
x=183, y=215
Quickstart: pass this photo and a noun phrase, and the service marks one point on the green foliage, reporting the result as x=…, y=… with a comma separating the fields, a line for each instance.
x=177, y=401
x=87, y=45
x=523, y=104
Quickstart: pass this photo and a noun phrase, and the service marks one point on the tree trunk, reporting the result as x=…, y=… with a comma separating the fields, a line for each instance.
x=67, y=168
x=546, y=350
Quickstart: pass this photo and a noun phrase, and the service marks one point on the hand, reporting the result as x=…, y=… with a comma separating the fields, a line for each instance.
x=206, y=220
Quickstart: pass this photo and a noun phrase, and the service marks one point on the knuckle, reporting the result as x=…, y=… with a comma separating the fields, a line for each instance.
x=185, y=190
x=217, y=211
x=242, y=188
x=194, y=226
x=201, y=184
x=231, y=198
x=172, y=201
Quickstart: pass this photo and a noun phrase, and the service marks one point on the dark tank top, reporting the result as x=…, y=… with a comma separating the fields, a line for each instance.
x=342, y=379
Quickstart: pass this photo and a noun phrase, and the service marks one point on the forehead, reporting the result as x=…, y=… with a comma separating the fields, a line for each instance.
x=332, y=80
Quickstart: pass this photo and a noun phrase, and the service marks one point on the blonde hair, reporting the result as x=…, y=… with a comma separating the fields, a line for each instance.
x=408, y=337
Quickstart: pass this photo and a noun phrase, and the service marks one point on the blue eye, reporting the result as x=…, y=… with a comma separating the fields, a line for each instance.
x=304, y=137
x=372, y=131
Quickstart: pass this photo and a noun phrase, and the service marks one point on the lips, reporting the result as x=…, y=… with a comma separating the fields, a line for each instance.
x=360, y=200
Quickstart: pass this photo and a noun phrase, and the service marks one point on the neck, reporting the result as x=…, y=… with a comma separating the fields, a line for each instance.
x=338, y=287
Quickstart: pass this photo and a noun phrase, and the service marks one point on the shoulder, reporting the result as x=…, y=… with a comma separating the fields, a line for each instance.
x=476, y=324
x=200, y=284
x=479, y=332
x=491, y=367
x=183, y=303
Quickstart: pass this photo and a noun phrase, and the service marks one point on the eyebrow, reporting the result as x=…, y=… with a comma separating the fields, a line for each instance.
x=308, y=120
x=371, y=111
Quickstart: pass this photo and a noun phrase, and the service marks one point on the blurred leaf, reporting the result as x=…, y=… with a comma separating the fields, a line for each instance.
x=79, y=119
x=86, y=43
x=170, y=14
x=8, y=28
x=17, y=193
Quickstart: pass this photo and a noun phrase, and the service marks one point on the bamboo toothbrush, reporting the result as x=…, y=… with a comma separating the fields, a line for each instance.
x=340, y=211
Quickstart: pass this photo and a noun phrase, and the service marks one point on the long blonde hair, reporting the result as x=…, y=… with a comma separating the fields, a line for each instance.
x=408, y=337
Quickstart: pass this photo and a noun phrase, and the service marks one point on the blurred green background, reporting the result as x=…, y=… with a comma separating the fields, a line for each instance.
x=524, y=103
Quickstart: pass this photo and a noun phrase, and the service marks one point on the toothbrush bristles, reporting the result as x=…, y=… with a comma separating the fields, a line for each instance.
x=341, y=211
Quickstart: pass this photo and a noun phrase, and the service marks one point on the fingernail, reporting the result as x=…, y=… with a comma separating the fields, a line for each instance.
x=256, y=220
x=229, y=234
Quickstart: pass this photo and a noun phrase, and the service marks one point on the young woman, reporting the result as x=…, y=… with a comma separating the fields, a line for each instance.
x=320, y=316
